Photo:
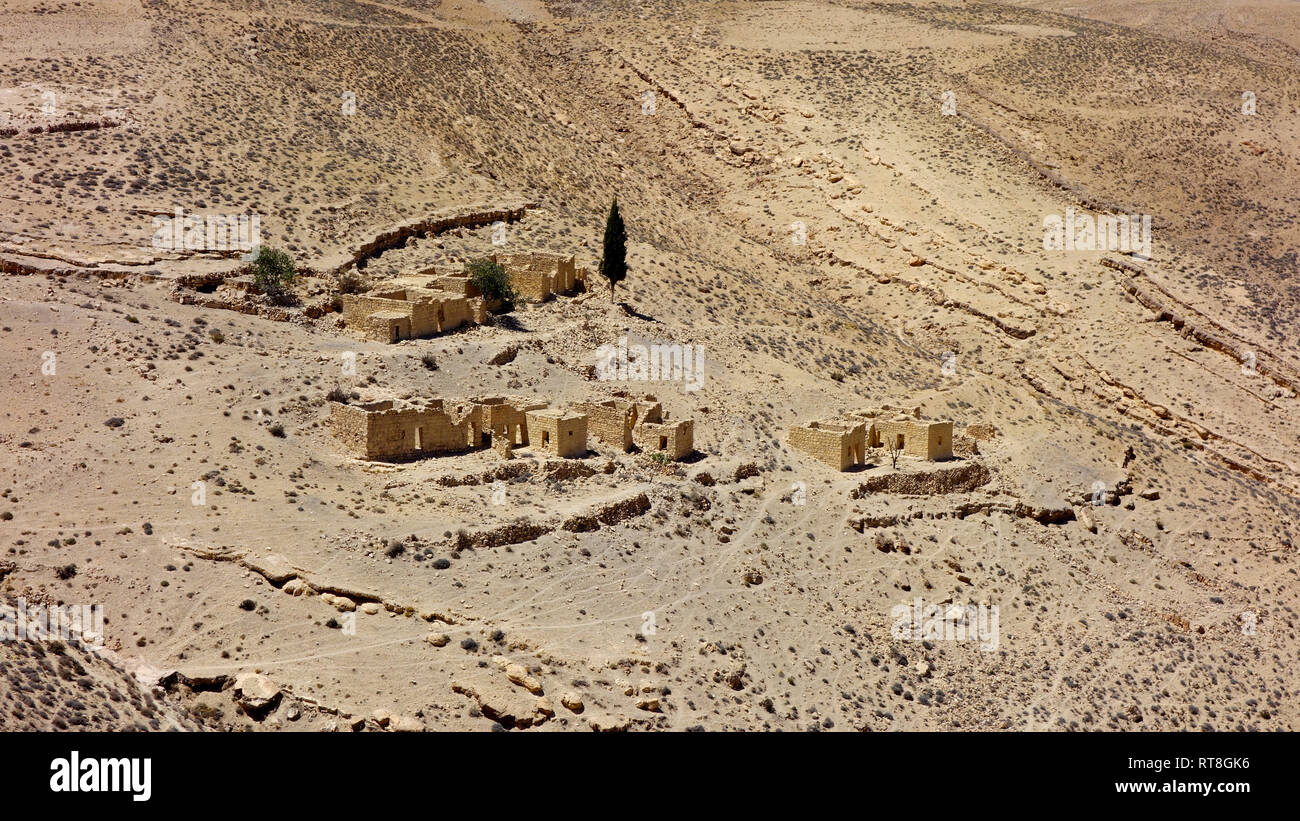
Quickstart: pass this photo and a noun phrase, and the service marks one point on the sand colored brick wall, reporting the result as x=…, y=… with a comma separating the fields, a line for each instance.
x=559, y=433
x=357, y=308
x=351, y=426
x=537, y=275
x=455, y=312
x=840, y=445
x=385, y=326
x=922, y=440
x=454, y=284
x=677, y=439
x=610, y=422
x=478, y=311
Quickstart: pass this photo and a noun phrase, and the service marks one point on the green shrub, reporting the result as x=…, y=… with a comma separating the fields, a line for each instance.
x=273, y=273
x=492, y=279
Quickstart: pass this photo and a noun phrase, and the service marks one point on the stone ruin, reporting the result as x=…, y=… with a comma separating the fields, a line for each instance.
x=538, y=275
x=387, y=431
x=446, y=302
x=842, y=443
x=410, y=313
x=626, y=423
x=559, y=432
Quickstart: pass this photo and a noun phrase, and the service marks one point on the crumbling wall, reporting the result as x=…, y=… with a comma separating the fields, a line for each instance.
x=923, y=440
x=838, y=444
x=677, y=439
x=610, y=421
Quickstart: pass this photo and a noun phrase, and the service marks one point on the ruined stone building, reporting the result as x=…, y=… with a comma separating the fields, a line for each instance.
x=389, y=431
x=843, y=443
x=559, y=432
x=537, y=275
x=626, y=423
x=838, y=443
x=411, y=313
x=446, y=301
x=384, y=431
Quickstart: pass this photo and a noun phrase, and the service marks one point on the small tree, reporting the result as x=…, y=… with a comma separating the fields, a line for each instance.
x=894, y=452
x=273, y=273
x=493, y=281
x=613, y=262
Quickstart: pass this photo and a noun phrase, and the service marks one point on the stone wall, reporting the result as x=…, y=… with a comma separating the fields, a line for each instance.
x=677, y=439
x=923, y=440
x=610, y=421
x=563, y=434
x=537, y=275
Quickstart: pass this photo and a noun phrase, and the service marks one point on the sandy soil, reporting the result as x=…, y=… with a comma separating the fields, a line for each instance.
x=768, y=579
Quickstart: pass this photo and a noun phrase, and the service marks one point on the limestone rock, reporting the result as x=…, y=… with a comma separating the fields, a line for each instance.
x=406, y=724
x=518, y=674
x=572, y=702
x=256, y=694
x=296, y=587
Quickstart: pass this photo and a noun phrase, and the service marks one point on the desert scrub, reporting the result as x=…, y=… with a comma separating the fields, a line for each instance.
x=273, y=273
x=492, y=279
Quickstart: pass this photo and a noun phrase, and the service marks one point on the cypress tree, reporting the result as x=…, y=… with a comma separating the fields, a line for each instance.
x=613, y=262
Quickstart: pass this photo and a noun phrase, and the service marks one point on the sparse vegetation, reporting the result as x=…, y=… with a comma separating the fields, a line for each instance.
x=273, y=274
x=491, y=278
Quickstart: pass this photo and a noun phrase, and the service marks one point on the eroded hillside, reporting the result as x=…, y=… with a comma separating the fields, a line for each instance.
x=802, y=210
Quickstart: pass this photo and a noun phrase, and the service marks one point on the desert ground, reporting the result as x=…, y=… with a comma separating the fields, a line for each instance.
x=839, y=202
